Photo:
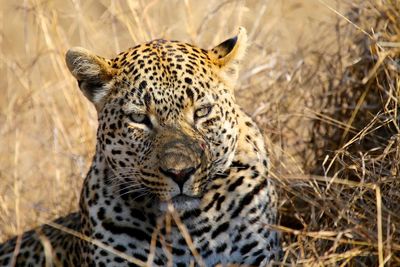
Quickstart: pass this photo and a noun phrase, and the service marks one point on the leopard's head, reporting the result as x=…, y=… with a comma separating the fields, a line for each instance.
x=167, y=115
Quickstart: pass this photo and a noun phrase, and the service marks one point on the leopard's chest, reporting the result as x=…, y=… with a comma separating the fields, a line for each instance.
x=224, y=229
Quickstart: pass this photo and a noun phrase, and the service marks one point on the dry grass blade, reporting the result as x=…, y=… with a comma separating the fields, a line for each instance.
x=186, y=235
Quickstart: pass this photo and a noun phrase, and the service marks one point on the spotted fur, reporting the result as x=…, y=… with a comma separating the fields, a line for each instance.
x=171, y=138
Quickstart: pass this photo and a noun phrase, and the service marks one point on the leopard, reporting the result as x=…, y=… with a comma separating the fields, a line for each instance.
x=180, y=175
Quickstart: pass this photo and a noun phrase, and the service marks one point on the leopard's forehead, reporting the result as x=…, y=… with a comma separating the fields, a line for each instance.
x=165, y=62
x=166, y=73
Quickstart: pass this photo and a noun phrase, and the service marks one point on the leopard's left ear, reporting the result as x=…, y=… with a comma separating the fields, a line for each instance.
x=228, y=55
x=93, y=73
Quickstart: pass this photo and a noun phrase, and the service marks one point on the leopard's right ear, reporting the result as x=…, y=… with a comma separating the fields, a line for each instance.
x=93, y=73
x=228, y=55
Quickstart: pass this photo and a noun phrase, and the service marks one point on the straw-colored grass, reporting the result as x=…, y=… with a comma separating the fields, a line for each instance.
x=321, y=78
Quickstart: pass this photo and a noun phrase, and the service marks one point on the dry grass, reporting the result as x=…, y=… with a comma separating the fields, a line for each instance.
x=321, y=79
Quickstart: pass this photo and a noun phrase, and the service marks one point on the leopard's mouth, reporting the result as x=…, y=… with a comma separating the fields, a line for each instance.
x=181, y=202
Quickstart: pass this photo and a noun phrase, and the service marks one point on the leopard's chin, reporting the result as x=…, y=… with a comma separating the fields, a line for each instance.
x=181, y=203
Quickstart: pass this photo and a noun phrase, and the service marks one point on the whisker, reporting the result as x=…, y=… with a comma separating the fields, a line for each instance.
x=130, y=187
x=127, y=175
x=120, y=183
x=142, y=190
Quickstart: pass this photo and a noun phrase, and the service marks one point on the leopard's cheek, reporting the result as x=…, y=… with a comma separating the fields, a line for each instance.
x=221, y=133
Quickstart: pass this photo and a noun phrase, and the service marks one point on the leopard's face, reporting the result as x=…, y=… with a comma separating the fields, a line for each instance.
x=167, y=118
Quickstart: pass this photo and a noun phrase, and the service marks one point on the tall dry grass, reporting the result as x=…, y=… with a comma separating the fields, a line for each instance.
x=321, y=78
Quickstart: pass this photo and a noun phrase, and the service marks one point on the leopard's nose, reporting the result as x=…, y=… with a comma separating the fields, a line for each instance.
x=179, y=176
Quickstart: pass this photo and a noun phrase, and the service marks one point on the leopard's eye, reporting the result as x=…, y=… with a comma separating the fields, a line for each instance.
x=140, y=118
x=202, y=112
x=137, y=117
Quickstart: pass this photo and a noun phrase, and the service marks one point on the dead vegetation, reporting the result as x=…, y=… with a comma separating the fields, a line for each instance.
x=344, y=210
x=321, y=79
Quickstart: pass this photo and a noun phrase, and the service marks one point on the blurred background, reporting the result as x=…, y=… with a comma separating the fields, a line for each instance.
x=321, y=79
